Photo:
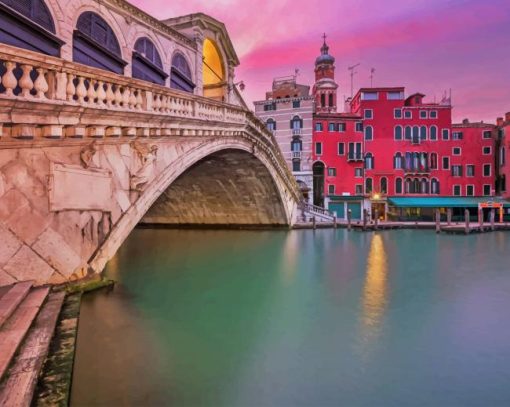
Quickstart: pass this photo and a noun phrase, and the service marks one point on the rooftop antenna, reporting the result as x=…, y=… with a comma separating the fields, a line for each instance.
x=372, y=71
x=353, y=71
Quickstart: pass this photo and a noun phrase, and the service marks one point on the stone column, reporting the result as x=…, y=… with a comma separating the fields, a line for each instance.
x=199, y=40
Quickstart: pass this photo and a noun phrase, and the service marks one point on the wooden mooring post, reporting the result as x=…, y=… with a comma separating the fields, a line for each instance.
x=313, y=223
x=449, y=216
x=480, y=219
x=438, y=221
x=349, y=217
x=334, y=222
x=492, y=217
x=376, y=223
x=365, y=216
x=466, y=218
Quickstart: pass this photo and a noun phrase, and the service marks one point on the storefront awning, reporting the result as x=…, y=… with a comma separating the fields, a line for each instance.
x=443, y=202
x=345, y=197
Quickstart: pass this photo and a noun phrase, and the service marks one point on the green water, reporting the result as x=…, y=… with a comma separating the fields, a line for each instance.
x=300, y=318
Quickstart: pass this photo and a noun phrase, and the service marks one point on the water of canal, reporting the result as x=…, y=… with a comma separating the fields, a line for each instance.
x=300, y=318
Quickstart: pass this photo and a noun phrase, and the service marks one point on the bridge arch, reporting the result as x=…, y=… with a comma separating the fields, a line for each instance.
x=184, y=172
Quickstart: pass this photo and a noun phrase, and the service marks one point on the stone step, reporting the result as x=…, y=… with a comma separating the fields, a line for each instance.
x=12, y=298
x=18, y=388
x=17, y=326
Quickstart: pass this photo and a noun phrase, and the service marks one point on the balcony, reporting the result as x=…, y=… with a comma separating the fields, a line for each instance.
x=296, y=155
x=417, y=171
x=296, y=132
x=354, y=156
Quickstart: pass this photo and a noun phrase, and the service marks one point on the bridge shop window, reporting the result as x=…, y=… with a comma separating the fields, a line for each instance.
x=181, y=75
x=95, y=44
x=147, y=63
x=28, y=24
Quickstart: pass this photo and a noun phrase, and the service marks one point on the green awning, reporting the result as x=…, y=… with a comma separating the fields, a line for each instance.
x=344, y=198
x=443, y=202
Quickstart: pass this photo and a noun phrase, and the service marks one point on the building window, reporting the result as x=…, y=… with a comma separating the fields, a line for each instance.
x=358, y=172
x=487, y=134
x=433, y=114
x=341, y=148
x=359, y=126
x=323, y=100
x=368, y=186
x=487, y=150
x=398, y=185
x=359, y=189
x=486, y=170
x=181, y=74
x=341, y=127
x=502, y=156
x=457, y=170
x=318, y=148
x=296, y=145
x=433, y=161
x=408, y=133
x=408, y=114
x=445, y=134
x=457, y=135
x=395, y=96
x=470, y=170
x=397, y=161
x=368, y=114
x=416, y=135
x=486, y=189
x=271, y=124
x=331, y=189
x=470, y=190
x=446, y=163
x=456, y=190
x=330, y=100
x=384, y=185
x=369, y=161
x=369, y=96
x=434, y=186
x=331, y=172
x=398, y=132
x=423, y=114
x=296, y=123
x=369, y=133
x=95, y=44
x=332, y=127
x=433, y=132
x=423, y=133
x=146, y=63
x=424, y=186
x=397, y=113
x=269, y=107
x=296, y=104
x=318, y=126
x=456, y=151
x=296, y=165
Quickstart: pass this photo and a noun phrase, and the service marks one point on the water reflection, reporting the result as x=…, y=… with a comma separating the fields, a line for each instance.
x=375, y=290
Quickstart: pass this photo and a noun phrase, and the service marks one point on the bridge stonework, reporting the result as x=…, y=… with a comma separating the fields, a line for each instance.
x=80, y=168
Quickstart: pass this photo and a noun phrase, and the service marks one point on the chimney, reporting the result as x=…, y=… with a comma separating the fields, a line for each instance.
x=465, y=121
x=499, y=121
x=507, y=116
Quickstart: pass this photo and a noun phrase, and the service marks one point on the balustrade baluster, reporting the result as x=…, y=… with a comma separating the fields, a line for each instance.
x=139, y=100
x=41, y=84
x=70, y=88
x=81, y=90
x=132, y=99
x=101, y=94
x=125, y=98
x=110, y=97
x=156, y=104
x=118, y=96
x=25, y=83
x=9, y=80
x=91, y=92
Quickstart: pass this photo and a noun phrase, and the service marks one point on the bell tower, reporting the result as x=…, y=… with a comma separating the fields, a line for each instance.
x=324, y=89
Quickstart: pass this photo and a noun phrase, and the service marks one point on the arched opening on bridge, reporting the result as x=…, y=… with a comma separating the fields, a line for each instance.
x=181, y=74
x=228, y=187
x=318, y=183
x=213, y=70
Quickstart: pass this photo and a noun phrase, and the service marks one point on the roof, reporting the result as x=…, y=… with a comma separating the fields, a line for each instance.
x=480, y=125
x=444, y=202
x=383, y=89
x=337, y=115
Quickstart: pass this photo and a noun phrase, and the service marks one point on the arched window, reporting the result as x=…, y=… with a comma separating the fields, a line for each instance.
x=416, y=162
x=424, y=164
x=369, y=133
x=181, y=74
x=408, y=133
x=398, y=132
x=296, y=145
x=384, y=185
x=408, y=184
x=323, y=100
x=271, y=124
x=423, y=132
x=95, y=44
x=433, y=132
x=147, y=63
x=28, y=24
x=397, y=161
x=434, y=186
x=433, y=161
x=409, y=161
x=296, y=123
x=416, y=135
x=424, y=186
x=398, y=185
x=369, y=161
x=368, y=186
x=415, y=189
x=330, y=97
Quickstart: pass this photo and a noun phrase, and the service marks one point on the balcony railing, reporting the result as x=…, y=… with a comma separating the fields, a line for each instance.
x=296, y=155
x=422, y=170
x=354, y=156
x=296, y=132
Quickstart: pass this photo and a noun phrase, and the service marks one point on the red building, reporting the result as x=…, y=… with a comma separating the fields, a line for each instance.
x=395, y=155
x=502, y=164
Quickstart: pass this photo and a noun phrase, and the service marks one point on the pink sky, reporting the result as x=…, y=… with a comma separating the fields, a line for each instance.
x=425, y=45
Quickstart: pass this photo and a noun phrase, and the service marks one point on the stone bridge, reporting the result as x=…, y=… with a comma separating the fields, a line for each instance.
x=87, y=154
